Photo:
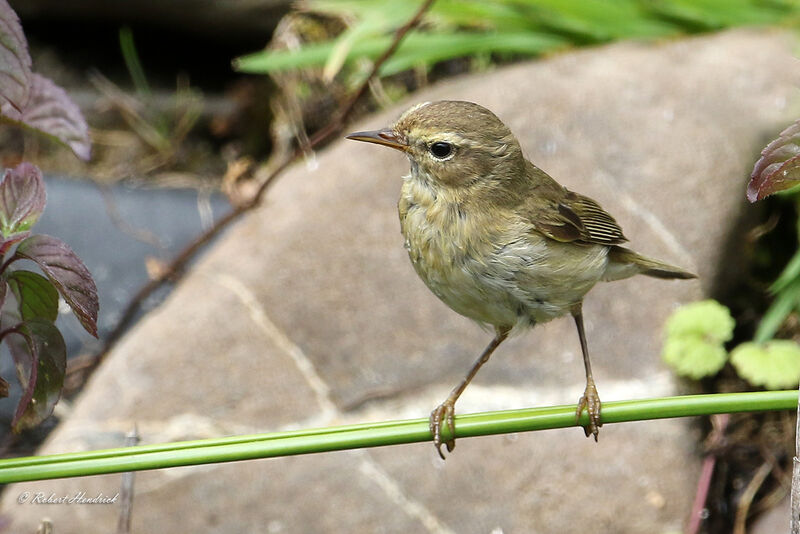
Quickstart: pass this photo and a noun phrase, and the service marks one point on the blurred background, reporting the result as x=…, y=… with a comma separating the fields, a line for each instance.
x=193, y=104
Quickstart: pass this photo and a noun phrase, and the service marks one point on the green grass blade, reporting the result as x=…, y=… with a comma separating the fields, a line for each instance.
x=498, y=16
x=715, y=14
x=416, y=48
x=601, y=20
x=458, y=28
x=785, y=301
x=312, y=55
x=425, y=49
x=132, y=62
x=790, y=273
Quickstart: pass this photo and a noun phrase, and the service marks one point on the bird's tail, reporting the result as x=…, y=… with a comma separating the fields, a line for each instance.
x=624, y=263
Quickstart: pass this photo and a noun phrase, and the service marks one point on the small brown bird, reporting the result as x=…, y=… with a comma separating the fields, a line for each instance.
x=496, y=238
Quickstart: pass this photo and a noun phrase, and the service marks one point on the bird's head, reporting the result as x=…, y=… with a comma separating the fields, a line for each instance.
x=452, y=144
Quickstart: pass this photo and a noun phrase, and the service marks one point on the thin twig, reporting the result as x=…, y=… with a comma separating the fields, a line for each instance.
x=795, y=495
x=715, y=442
x=749, y=493
x=698, y=513
x=142, y=235
x=126, y=490
x=176, y=267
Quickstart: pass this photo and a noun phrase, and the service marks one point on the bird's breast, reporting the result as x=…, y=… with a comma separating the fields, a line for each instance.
x=487, y=264
x=440, y=234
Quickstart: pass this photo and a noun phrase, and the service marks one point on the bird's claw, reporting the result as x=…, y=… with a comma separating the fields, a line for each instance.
x=591, y=403
x=444, y=413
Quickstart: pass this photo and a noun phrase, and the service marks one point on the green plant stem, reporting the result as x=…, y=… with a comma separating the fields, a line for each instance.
x=374, y=435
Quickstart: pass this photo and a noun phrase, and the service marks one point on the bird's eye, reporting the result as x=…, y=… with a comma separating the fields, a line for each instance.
x=441, y=149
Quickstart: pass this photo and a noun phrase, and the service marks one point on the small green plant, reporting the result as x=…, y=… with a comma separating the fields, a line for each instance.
x=696, y=333
x=695, y=347
x=778, y=172
x=28, y=300
x=774, y=364
x=696, y=337
x=163, y=131
x=763, y=362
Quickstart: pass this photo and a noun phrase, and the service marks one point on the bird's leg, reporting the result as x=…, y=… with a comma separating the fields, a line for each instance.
x=590, y=400
x=445, y=412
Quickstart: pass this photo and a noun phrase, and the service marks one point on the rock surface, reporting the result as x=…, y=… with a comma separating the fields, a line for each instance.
x=774, y=520
x=308, y=313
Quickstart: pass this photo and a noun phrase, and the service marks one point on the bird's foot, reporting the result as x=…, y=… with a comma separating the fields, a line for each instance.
x=591, y=403
x=443, y=414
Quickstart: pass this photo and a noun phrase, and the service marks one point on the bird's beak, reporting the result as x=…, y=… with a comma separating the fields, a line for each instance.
x=385, y=137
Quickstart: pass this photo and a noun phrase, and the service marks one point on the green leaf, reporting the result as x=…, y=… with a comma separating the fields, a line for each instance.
x=707, y=319
x=714, y=14
x=693, y=357
x=696, y=334
x=774, y=364
x=601, y=20
x=499, y=16
x=415, y=49
x=426, y=49
x=36, y=296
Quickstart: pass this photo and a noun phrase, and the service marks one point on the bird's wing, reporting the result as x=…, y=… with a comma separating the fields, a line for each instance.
x=562, y=215
x=598, y=226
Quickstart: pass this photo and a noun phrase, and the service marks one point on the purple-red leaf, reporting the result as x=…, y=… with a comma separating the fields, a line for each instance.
x=22, y=199
x=779, y=166
x=13, y=239
x=15, y=62
x=3, y=291
x=67, y=273
x=31, y=100
x=40, y=355
x=51, y=111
